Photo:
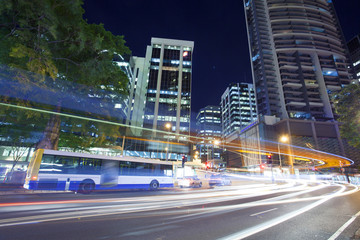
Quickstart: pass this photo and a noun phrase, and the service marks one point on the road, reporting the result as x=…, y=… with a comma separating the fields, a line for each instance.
x=248, y=209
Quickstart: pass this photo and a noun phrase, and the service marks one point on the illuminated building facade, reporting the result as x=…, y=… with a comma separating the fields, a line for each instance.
x=137, y=93
x=238, y=107
x=208, y=122
x=298, y=59
x=168, y=95
x=298, y=56
x=354, y=49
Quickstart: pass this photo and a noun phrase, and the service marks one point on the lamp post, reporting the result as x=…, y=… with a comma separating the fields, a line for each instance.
x=168, y=127
x=196, y=155
x=283, y=139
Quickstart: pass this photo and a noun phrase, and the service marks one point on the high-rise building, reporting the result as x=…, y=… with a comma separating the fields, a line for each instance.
x=208, y=122
x=354, y=49
x=137, y=93
x=298, y=57
x=238, y=107
x=168, y=94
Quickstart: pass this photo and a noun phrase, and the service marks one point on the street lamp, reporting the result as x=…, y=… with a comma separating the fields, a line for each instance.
x=168, y=127
x=216, y=142
x=283, y=139
x=196, y=155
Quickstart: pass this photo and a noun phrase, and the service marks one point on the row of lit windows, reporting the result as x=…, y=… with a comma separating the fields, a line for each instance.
x=172, y=47
x=163, y=92
x=210, y=131
x=210, y=118
x=167, y=118
x=170, y=69
x=174, y=62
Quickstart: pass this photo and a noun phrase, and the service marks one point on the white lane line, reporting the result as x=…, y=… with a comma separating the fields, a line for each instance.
x=263, y=212
x=261, y=227
x=343, y=227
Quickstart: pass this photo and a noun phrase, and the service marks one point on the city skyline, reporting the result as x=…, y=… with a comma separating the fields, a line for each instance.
x=221, y=56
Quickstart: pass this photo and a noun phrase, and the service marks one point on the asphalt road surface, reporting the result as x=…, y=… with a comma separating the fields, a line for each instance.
x=247, y=209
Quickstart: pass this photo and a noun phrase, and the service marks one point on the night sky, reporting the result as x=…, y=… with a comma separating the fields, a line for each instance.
x=221, y=54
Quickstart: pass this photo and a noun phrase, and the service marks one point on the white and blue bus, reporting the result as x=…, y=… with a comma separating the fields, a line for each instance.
x=81, y=172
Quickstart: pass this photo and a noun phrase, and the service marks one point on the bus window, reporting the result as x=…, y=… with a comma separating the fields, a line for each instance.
x=67, y=164
x=166, y=170
x=124, y=168
x=47, y=164
x=142, y=169
x=89, y=166
x=155, y=170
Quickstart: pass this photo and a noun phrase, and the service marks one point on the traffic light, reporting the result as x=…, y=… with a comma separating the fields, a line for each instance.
x=207, y=165
x=269, y=159
x=183, y=160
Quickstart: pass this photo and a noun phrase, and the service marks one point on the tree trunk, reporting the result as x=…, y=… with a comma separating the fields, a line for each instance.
x=50, y=139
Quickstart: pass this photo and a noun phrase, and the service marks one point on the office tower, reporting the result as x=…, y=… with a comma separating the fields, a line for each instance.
x=168, y=94
x=208, y=122
x=354, y=49
x=238, y=107
x=137, y=94
x=298, y=57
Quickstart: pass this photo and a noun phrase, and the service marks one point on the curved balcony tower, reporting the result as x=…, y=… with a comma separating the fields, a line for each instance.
x=298, y=57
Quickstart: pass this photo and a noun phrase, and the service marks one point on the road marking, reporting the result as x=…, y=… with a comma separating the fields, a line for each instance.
x=343, y=227
x=261, y=227
x=263, y=212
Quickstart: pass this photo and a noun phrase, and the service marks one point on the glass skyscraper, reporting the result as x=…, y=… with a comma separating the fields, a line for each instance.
x=168, y=94
x=354, y=49
x=208, y=122
x=238, y=107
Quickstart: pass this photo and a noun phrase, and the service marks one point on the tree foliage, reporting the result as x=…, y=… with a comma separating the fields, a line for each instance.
x=50, y=39
x=347, y=106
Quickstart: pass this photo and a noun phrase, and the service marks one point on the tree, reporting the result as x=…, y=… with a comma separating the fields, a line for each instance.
x=347, y=106
x=51, y=39
x=20, y=132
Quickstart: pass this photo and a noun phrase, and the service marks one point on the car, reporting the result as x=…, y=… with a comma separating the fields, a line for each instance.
x=219, y=180
x=225, y=181
x=191, y=181
x=215, y=180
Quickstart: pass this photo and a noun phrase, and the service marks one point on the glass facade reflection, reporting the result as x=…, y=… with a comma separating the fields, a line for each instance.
x=238, y=107
x=168, y=94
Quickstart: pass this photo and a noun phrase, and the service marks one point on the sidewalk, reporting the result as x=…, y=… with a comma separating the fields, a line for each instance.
x=7, y=188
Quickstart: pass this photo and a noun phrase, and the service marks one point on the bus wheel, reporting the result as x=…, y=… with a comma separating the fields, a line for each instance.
x=86, y=186
x=154, y=185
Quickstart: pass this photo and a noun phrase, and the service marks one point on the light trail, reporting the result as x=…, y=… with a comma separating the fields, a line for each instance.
x=166, y=204
x=268, y=224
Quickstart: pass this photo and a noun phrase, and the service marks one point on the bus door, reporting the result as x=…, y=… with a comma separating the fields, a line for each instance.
x=109, y=173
